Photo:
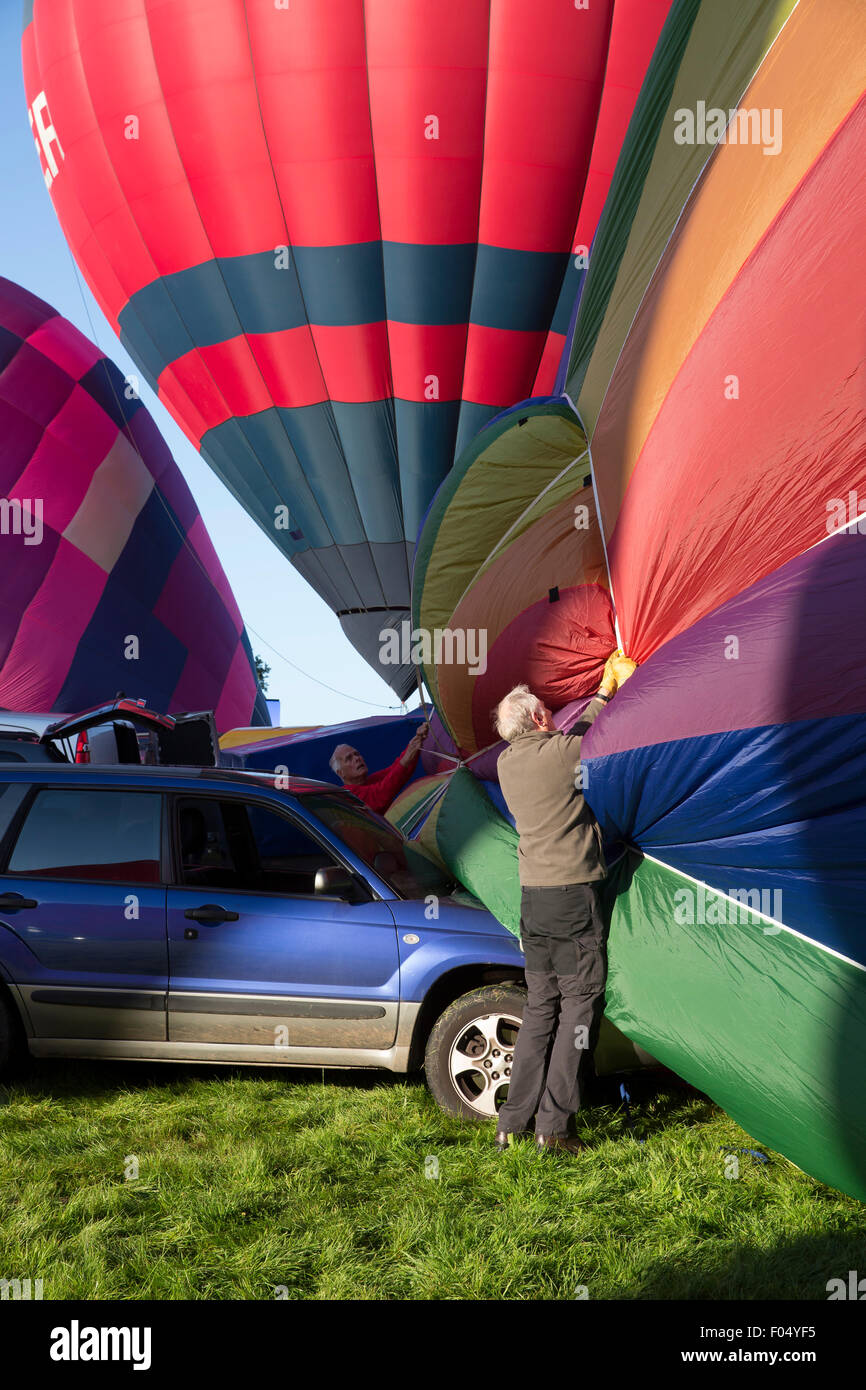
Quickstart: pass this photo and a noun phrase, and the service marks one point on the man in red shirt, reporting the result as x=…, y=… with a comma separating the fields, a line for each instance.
x=377, y=789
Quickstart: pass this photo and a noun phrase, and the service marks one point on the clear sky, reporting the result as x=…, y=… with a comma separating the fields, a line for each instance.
x=283, y=615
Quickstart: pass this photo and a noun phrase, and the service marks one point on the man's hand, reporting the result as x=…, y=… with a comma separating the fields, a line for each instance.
x=617, y=670
x=622, y=667
x=608, y=679
x=413, y=747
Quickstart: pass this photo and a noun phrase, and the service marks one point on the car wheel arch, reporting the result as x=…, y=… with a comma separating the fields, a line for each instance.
x=14, y=1032
x=448, y=987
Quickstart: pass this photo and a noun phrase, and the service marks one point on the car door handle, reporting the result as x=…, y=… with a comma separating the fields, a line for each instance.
x=210, y=913
x=13, y=902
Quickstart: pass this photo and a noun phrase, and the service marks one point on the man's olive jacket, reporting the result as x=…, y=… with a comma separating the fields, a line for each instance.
x=560, y=839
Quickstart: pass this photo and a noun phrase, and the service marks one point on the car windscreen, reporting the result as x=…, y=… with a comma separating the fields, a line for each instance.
x=403, y=865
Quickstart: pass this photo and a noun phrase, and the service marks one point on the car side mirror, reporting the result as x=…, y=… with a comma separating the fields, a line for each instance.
x=335, y=882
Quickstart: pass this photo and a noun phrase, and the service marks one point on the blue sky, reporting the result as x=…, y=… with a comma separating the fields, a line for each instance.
x=282, y=613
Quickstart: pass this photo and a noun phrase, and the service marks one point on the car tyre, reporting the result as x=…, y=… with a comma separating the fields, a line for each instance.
x=470, y=1051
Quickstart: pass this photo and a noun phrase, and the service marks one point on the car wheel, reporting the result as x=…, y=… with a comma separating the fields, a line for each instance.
x=470, y=1051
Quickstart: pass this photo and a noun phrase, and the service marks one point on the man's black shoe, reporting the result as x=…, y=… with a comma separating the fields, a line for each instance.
x=505, y=1138
x=560, y=1143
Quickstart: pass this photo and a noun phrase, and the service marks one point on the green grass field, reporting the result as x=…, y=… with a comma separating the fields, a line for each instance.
x=254, y=1181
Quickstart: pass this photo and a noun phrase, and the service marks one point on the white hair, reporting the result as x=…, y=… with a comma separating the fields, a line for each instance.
x=337, y=759
x=513, y=714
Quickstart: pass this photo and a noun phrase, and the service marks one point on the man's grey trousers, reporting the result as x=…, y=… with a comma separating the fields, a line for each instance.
x=566, y=968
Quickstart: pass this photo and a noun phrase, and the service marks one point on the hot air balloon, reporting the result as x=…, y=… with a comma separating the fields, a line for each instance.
x=109, y=579
x=713, y=429
x=337, y=236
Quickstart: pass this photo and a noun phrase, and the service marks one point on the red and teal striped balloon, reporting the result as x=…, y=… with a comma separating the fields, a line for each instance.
x=336, y=235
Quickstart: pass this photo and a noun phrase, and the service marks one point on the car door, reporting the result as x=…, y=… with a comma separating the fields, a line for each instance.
x=256, y=956
x=82, y=912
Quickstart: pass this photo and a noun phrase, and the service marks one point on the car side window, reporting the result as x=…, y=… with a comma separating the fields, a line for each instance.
x=11, y=796
x=243, y=845
x=205, y=856
x=287, y=858
x=92, y=834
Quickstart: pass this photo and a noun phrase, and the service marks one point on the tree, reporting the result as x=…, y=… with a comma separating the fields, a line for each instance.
x=262, y=672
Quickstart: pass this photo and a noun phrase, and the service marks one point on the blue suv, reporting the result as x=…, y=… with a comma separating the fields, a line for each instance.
x=201, y=914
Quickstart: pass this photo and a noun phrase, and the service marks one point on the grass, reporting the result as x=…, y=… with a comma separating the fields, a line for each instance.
x=254, y=1181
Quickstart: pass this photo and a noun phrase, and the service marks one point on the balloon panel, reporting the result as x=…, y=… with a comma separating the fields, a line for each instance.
x=700, y=503
x=513, y=533
x=110, y=580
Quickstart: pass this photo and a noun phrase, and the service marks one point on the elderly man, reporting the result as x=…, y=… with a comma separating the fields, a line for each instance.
x=377, y=789
x=561, y=864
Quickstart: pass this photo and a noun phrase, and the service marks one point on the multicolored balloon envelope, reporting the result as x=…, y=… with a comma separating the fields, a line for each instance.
x=109, y=580
x=338, y=236
x=696, y=495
